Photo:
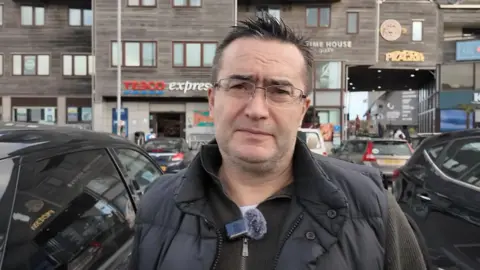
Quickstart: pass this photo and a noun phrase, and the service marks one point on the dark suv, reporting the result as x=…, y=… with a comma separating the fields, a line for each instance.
x=439, y=187
x=68, y=197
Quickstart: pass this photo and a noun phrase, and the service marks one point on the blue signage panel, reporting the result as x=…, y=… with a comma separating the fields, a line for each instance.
x=124, y=121
x=468, y=50
x=453, y=99
x=336, y=128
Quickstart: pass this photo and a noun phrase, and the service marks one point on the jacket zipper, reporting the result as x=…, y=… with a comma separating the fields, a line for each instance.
x=284, y=240
x=219, y=243
x=243, y=259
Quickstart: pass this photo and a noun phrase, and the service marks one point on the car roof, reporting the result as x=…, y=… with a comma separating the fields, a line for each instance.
x=25, y=138
x=376, y=139
x=166, y=139
x=447, y=136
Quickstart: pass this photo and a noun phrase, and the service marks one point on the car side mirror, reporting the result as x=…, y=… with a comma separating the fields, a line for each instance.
x=312, y=142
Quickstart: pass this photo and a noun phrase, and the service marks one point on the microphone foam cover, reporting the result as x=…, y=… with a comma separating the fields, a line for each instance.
x=256, y=223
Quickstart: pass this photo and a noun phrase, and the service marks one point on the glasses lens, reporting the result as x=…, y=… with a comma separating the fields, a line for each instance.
x=282, y=95
x=238, y=88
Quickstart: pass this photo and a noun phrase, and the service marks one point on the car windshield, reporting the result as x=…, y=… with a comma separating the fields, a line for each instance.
x=390, y=148
x=163, y=144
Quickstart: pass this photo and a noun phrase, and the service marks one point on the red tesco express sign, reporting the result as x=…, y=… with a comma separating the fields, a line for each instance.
x=162, y=85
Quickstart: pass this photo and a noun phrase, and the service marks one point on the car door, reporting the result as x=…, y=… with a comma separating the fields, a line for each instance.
x=137, y=167
x=447, y=206
x=71, y=211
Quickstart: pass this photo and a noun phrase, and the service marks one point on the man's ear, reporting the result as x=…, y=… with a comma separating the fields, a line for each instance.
x=211, y=100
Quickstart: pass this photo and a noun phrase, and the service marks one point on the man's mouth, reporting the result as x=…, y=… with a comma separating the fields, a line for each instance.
x=254, y=131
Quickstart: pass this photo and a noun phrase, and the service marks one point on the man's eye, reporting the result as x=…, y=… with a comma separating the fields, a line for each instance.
x=280, y=91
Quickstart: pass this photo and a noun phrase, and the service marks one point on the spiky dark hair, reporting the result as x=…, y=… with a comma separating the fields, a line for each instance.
x=264, y=27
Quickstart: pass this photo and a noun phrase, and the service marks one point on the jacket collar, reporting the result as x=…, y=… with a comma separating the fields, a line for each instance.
x=313, y=188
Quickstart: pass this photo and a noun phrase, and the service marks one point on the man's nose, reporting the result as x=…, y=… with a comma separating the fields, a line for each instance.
x=257, y=107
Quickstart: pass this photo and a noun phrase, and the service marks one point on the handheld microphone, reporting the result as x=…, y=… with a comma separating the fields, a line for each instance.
x=253, y=225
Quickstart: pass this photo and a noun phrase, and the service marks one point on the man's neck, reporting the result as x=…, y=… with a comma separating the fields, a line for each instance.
x=246, y=188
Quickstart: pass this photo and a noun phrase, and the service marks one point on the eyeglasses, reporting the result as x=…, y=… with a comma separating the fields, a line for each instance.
x=276, y=95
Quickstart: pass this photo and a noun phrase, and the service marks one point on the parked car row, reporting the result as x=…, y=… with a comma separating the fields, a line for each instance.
x=68, y=197
x=437, y=185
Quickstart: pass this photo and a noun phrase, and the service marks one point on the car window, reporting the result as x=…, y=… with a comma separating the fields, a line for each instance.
x=75, y=215
x=435, y=150
x=358, y=147
x=390, y=148
x=136, y=166
x=8, y=183
x=165, y=144
x=472, y=177
x=461, y=157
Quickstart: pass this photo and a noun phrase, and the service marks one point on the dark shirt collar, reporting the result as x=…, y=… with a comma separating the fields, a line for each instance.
x=311, y=183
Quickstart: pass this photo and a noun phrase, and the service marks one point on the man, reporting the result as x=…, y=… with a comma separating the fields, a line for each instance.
x=399, y=134
x=305, y=211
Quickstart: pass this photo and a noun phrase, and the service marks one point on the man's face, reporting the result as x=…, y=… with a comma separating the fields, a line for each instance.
x=253, y=130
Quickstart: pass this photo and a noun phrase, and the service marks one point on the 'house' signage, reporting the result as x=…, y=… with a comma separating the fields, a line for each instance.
x=329, y=46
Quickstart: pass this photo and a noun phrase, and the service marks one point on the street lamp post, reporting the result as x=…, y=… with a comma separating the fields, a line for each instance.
x=119, y=65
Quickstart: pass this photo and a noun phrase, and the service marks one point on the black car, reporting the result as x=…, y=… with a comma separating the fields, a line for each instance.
x=439, y=187
x=418, y=138
x=68, y=197
x=172, y=154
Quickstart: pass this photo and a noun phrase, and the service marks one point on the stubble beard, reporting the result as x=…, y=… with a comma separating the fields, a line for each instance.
x=253, y=166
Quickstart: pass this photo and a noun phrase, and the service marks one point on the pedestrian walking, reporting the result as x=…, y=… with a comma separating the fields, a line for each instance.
x=256, y=197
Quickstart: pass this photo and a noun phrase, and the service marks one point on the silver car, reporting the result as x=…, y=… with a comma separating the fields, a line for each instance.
x=388, y=155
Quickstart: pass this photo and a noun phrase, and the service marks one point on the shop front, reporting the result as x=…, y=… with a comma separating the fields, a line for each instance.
x=328, y=81
x=164, y=108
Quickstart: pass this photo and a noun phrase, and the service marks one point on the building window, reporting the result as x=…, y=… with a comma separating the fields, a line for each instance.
x=31, y=65
x=328, y=75
x=187, y=3
x=318, y=17
x=35, y=114
x=136, y=53
x=32, y=16
x=80, y=17
x=77, y=65
x=79, y=114
x=1, y=64
x=457, y=76
x=274, y=12
x=142, y=3
x=193, y=54
x=1, y=14
x=353, y=20
x=417, y=31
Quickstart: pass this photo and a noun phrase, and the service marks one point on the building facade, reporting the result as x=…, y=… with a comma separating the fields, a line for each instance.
x=167, y=52
x=46, y=62
x=452, y=103
x=61, y=60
